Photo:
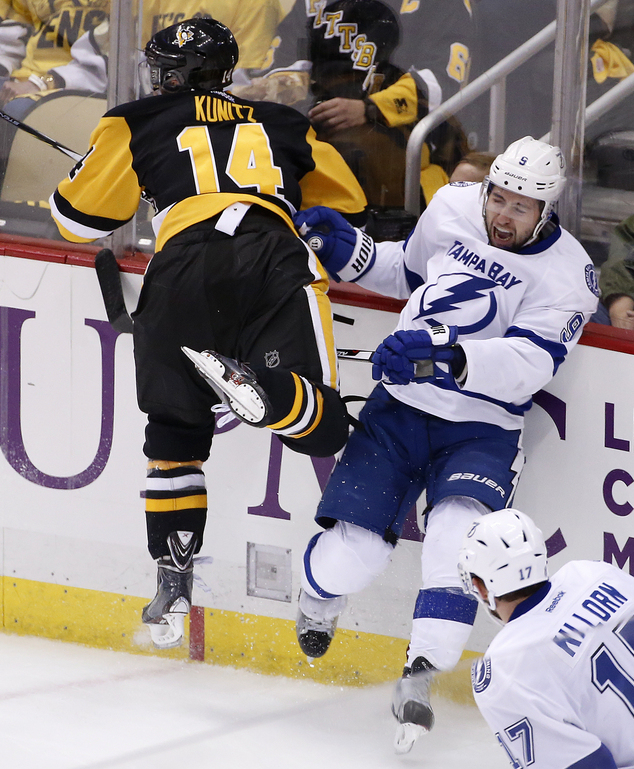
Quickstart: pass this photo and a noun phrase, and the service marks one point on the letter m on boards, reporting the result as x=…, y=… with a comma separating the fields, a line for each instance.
x=611, y=550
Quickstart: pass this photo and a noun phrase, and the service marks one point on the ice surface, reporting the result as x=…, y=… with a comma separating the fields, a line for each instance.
x=64, y=706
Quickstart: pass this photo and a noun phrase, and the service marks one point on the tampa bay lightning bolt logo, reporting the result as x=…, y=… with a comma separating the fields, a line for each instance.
x=591, y=279
x=454, y=296
x=481, y=674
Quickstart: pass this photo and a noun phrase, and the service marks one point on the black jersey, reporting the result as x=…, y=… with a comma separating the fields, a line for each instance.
x=193, y=154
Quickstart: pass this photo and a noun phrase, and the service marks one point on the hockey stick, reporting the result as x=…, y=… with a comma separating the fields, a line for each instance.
x=39, y=135
x=109, y=279
x=348, y=354
x=424, y=368
x=57, y=145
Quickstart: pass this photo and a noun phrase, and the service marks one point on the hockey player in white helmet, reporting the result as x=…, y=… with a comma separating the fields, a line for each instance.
x=503, y=552
x=497, y=296
x=527, y=179
x=556, y=684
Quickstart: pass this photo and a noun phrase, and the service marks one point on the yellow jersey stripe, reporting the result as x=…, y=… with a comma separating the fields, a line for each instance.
x=164, y=464
x=297, y=404
x=197, y=501
x=197, y=209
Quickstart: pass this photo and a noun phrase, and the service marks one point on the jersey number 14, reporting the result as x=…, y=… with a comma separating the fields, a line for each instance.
x=250, y=163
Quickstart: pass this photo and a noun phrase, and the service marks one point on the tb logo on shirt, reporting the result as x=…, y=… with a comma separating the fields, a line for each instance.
x=471, y=296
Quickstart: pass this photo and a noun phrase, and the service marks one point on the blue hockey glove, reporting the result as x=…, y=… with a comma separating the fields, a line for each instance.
x=397, y=356
x=346, y=252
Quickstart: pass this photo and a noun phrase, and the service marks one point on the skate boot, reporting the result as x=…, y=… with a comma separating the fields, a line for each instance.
x=410, y=704
x=234, y=383
x=316, y=622
x=165, y=614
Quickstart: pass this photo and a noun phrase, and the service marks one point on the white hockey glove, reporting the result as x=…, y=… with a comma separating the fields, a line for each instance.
x=345, y=251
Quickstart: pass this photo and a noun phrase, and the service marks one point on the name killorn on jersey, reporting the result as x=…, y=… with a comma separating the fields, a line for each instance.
x=495, y=271
x=600, y=605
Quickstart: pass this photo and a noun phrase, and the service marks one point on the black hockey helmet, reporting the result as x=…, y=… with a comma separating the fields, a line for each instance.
x=350, y=39
x=195, y=54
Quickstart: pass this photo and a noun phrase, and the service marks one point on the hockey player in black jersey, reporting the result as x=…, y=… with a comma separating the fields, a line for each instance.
x=230, y=277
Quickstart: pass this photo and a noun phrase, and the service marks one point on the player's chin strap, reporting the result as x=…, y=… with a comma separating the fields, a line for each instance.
x=543, y=221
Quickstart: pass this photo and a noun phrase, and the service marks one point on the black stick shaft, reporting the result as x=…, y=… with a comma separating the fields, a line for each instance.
x=109, y=279
x=39, y=135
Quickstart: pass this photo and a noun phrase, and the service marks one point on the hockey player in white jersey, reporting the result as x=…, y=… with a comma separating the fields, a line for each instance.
x=498, y=294
x=556, y=684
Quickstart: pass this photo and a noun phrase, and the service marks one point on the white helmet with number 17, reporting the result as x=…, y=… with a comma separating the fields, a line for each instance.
x=506, y=550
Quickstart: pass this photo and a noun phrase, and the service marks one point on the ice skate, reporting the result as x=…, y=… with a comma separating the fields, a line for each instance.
x=234, y=383
x=316, y=622
x=410, y=704
x=165, y=614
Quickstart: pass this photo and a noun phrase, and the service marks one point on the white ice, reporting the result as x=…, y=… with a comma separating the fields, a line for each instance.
x=65, y=706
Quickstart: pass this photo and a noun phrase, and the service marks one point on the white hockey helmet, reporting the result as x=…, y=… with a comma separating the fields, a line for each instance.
x=506, y=550
x=532, y=168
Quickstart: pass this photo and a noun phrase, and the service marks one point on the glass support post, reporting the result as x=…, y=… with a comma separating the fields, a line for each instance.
x=569, y=103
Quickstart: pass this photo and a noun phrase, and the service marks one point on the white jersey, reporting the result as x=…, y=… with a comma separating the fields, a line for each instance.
x=518, y=314
x=557, y=682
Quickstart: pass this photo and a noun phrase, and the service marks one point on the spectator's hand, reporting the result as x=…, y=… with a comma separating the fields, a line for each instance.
x=622, y=312
x=13, y=88
x=338, y=114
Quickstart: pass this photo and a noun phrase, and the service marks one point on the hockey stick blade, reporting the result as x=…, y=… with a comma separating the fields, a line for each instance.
x=109, y=278
x=42, y=137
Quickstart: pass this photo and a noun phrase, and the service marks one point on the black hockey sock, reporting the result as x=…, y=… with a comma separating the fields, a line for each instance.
x=175, y=500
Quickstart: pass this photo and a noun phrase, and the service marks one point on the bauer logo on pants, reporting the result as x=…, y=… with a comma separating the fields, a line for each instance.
x=478, y=479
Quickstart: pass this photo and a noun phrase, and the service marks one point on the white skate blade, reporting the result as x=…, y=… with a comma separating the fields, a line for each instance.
x=406, y=736
x=168, y=635
x=205, y=363
x=241, y=398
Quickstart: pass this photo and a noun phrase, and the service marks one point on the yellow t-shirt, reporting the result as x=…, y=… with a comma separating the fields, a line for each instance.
x=253, y=22
x=57, y=24
x=54, y=26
